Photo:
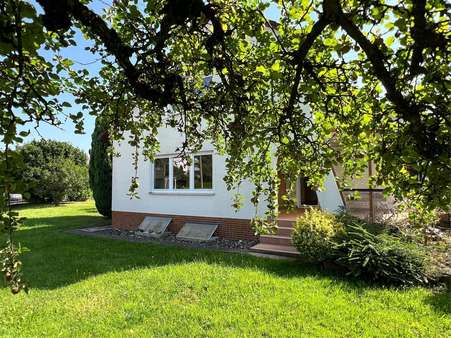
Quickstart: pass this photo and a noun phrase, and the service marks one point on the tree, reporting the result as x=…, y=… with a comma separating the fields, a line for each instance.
x=52, y=182
x=77, y=181
x=100, y=171
x=374, y=74
x=62, y=180
x=53, y=171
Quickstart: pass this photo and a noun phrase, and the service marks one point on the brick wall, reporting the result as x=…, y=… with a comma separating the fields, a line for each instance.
x=229, y=228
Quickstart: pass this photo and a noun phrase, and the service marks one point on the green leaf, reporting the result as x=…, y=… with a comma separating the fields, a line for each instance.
x=389, y=41
x=276, y=66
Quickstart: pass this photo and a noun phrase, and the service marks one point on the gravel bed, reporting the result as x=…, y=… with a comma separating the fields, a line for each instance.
x=168, y=239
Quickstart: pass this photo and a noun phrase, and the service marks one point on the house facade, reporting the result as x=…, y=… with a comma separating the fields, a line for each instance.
x=186, y=193
x=196, y=193
x=192, y=192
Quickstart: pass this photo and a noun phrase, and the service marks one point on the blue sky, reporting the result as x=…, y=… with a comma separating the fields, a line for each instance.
x=83, y=59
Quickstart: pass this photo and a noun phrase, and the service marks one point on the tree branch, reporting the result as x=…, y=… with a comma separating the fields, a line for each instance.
x=301, y=54
x=424, y=36
x=376, y=57
x=113, y=43
x=417, y=32
x=408, y=110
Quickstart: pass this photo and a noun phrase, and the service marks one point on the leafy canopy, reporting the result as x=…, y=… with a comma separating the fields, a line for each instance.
x=330, y=82
x=52, y=171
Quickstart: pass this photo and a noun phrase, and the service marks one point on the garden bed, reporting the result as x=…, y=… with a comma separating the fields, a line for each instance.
x=168, y=239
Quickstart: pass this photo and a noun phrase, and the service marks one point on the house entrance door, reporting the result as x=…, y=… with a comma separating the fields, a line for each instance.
x=299, y=191
x=305, y=195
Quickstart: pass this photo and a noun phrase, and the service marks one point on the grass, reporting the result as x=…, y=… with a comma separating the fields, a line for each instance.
x=84, y=286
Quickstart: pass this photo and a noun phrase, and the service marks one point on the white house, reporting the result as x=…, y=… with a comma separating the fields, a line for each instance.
x=197, y=193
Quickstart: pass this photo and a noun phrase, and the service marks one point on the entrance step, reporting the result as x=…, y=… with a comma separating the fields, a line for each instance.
x=285, y=231
x=285, y=223
x=274, y=249
x=294, y=214
x=279, y=243
x=275, y=239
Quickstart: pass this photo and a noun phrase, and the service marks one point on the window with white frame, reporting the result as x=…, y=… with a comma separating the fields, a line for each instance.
x=177, y=174
x=161, y=173
x=203, y=172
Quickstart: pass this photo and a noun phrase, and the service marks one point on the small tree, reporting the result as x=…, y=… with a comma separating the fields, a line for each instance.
x=100, y=168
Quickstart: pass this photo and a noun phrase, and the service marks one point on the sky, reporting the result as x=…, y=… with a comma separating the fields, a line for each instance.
x=83, y=59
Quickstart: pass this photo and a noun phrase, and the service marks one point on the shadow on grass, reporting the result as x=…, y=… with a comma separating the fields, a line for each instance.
x=58, y=258
x=61, y=223
x=440, y=301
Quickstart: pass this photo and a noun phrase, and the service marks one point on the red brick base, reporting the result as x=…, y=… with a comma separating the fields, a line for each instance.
x=229, y=228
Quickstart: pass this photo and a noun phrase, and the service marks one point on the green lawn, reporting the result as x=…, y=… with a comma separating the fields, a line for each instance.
x=84, y=286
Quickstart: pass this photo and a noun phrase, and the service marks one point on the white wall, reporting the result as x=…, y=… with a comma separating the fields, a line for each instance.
x=216, y=204
x=330, y=198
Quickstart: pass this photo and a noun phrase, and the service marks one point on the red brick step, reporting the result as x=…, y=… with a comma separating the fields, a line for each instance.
x=275, y=239
x=280, y=244
x=273, y=249
x=284, y=231
x=285, y=223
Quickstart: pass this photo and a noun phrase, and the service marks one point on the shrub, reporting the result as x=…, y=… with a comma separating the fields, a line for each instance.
x=77, y=181
x=345, y=218
x=53, y=171
x=62, y=180
x=52, y=183
x=100, y=171
x=380, y=258
x=314, y=234
x=365, y=250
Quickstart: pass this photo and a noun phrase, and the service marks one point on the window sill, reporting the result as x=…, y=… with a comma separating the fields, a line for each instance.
x=182, y=192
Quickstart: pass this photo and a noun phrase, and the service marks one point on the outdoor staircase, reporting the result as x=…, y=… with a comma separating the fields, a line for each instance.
x=279, y=244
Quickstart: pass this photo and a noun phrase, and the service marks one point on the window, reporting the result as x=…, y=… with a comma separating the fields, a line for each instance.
x=180, y=174
x=161, y=173
x=172, y=173
x=203, y=172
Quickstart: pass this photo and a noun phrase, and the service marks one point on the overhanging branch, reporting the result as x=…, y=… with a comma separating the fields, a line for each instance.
x=300, y=56
x=417, y=32
x=376, y=58
x=113, y=43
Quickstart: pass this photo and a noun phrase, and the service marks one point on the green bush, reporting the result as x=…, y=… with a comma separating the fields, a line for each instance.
x=380, y=258
x=365, y=250
x=52, y=183
x=100, y=170
x=345, y=218
x=77, y=181
x=61, y=180
x=315, y=233
x=53, y=171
